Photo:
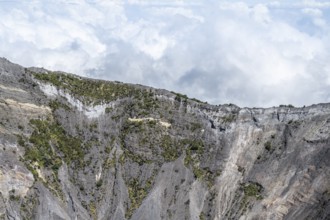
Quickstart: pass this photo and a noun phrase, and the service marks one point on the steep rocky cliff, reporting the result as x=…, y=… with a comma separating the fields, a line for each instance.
x=77, y=148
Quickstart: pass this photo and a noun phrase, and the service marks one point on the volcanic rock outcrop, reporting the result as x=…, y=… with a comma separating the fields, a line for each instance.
x=78, y=148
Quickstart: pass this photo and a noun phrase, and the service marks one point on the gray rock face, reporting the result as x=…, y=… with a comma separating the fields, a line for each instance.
x=77, y=148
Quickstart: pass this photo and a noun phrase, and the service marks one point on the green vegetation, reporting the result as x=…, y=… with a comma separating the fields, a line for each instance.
x=183, y=98
x=108, y=110
x=27, y=206
x=46, y=149
x=13, y=196
x=202, y=216
x=241, y=169
x=268, y=146
x=122, y=159
x=107, y=149
x=41, y=151
x=92, y=210
x=170, y=148
x=195, y=145
x=110, y=162
x=130, y=128
x=195, y=126
x=127, y=154
x=194, y=148
x=228, y=118
x=286, y=106
x=251, y=190
x=146, y=135
x=197, y=100
x=55, y=104
x=21, y=140
x=198, y=172
x=194, y=151
x=47, y=137
x=93, y=126
x=97, y=91
x=146, y=102
x=294, y=123
x=137, y=193
x=99, y=183
x=180, y=97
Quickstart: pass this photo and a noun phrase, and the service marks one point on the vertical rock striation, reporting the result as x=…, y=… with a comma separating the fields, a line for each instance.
x=77, y=148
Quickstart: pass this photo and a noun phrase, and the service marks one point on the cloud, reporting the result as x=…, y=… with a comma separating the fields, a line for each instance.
x=38, y=34
x=256, y=53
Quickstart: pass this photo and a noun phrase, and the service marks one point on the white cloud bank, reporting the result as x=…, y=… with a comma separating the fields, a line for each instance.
x=251, y=53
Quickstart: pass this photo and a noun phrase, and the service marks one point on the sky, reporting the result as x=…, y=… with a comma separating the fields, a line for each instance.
x=253, y=53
